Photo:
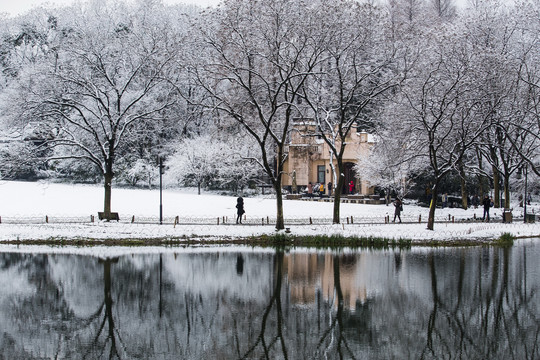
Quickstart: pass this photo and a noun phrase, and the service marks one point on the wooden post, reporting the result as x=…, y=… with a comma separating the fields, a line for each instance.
x=267, y=220
x=224, y=219
x=385, y=220
x=347, y=220
x=218, y=220
x=448, y=217
x=474, y=216
x=262, y=221
x=452, y=219
x=420, y=218
x=133, y=219
x=352, y=222
x=47, y=219
x=310, y=221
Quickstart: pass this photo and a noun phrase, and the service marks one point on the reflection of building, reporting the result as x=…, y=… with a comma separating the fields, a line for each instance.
x=309, y=158
x=309, y=273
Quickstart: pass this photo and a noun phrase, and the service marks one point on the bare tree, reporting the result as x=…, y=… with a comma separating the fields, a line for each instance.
x=260, y=56
x=358, y=70
x=438, y=107
x=109, y=73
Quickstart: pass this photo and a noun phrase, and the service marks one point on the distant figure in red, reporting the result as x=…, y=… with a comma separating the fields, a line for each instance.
x=351, y=187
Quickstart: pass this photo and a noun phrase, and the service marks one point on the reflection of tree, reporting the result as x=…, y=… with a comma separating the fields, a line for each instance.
x=470, y=303
x=275, y=300
x=105, y=311
x=336, y=330
x=489, y=320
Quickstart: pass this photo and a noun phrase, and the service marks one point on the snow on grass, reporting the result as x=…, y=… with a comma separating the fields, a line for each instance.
x=38, y=199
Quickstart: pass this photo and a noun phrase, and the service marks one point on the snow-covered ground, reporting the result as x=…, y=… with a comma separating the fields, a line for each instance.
x=38, y=200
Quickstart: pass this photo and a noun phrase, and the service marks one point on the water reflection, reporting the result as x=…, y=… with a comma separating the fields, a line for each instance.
x=250, y=304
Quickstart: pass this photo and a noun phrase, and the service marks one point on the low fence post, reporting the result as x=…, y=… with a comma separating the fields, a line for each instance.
x=92, y=218
x=218, y=220
x=420, y=218
x=47, y=219
x=310, y=221
x=352, y=221
x=133, y=219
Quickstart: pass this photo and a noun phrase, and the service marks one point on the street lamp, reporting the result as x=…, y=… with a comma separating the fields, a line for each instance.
x=160, y=190
x=525, y=197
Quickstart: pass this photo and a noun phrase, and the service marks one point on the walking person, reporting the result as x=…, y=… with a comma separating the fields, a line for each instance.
x=329, y=189
x=487, y=204
x=398, y=204
x=239, y=209
x=351, y=187
x=321, y=190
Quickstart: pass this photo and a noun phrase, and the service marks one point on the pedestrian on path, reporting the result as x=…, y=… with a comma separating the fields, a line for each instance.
x=398, y=204
x=239, y=209
x=487, y=202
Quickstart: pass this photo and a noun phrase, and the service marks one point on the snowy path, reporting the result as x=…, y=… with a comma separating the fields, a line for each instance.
x=26, y=207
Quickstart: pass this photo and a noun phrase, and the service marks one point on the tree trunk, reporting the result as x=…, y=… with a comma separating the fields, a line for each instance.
x=507, y=192
x=108, y=190
x=280, y=223
x=432, y=206
x=496, y=188
x=464, y=192
x=337, y=197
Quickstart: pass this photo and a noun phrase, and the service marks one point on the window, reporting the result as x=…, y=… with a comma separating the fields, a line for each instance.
x=320, y=173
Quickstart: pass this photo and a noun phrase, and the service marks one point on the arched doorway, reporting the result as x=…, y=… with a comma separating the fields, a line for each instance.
x=350, y=175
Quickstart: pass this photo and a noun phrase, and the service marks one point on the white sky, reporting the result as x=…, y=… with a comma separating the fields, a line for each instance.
x=16, y=7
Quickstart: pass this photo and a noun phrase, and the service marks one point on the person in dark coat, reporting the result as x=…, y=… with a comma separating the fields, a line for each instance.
x=487, y=204
x=398, y=209
x=239, y=209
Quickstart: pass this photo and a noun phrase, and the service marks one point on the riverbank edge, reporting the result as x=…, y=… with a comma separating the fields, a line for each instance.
x=276, y=240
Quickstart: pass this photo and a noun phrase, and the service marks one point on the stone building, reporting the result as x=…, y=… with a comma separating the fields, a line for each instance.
x=309, y=159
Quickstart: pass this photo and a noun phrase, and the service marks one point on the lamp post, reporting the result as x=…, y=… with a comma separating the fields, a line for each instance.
x=525, y=197
x=160, y=190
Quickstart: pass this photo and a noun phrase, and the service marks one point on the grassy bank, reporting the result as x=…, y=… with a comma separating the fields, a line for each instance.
x=279, y=240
